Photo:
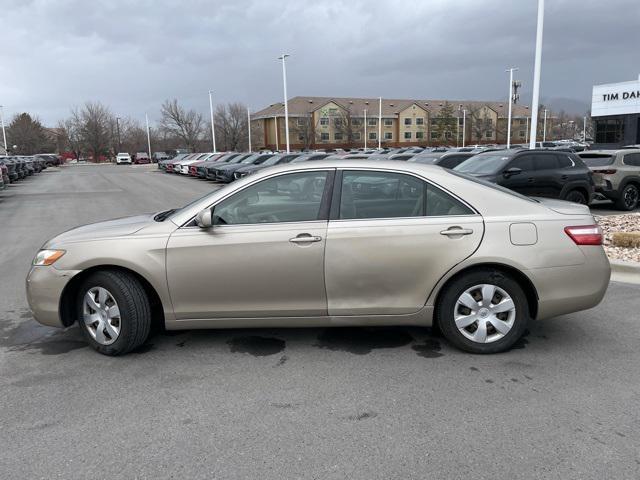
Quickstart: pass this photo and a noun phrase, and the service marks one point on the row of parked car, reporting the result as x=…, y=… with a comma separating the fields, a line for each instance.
x=15, y=168
x=552, y=172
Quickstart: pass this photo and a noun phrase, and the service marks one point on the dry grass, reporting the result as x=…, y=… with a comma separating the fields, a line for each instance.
x=626, y=239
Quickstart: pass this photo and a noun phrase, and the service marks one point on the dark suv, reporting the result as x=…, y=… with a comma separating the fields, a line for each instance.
x=541, y=173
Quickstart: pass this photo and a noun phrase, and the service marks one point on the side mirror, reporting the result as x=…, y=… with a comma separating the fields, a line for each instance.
x=203, y=218
x=511, y=171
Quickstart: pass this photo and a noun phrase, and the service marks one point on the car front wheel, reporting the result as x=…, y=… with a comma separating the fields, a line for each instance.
x=484, y=311
x=113, y=312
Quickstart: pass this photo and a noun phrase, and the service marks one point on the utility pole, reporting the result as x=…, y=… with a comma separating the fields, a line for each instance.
x=213, y=127
x=286, y=104
x=510, y=70
x=536, y=76
x=249, y=127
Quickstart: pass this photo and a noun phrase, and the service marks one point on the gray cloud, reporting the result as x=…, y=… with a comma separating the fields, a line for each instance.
x=133, y=55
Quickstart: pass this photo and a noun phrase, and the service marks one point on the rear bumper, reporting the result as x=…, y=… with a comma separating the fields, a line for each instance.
x=569, y=289
x=44, y=289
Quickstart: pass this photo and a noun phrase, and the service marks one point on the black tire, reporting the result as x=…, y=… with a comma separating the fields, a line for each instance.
x=576, y=196
x=133, y=303
x=629, y=198
x=445, y=310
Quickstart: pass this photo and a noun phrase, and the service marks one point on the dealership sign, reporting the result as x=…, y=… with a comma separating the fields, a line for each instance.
x=616, y=99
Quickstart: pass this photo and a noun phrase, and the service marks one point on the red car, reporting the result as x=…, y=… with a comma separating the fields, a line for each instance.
x=142, y=158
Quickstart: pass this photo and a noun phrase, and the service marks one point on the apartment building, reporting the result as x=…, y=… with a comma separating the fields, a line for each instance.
x=328, y=122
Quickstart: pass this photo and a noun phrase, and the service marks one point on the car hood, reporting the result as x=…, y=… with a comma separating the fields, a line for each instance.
x=111, y=228
x=563, y=207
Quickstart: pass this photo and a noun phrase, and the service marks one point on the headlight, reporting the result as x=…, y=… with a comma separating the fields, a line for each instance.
x=47, y=257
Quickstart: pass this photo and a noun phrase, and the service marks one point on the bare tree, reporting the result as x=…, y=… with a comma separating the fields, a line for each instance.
x=184, y=124
x=92, y=124
x=343, y=123
x=69, y=137
x=480, y=122
x=231, y=127
x=304, y=131
x=445, y=122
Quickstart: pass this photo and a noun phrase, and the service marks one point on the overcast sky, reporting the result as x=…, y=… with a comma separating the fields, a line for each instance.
x=132, y=55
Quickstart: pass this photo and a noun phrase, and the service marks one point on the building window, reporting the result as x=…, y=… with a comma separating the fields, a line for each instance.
x=488, y=134
x=324, y=137
x=372, y=122
x=356, y=122
x=373, y=136
x=419, y=135
x=337, y=122
x=407, y=135
x=337, y=136
x=521, y=133
x=388, y=136
x=407, y=121
x=333, y=111
x=419, y=121
x=435, y=135
x=523, y=121
x=300, y=137
x=324, y=121
x=302, y=121
x=609, y=130
x=388, y=122
x=357, y=136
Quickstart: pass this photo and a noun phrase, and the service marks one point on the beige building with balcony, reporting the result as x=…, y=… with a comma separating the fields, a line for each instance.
x=328, y=122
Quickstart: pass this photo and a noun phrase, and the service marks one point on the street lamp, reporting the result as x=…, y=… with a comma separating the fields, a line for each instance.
x=536, y=76
x=380, y=124
x=510, y=70
x=584, y=131
x=286, y=105
x=118, y=130
x=544, y=126
x=275, y=122
x=146, y=117
x=464, y=126
x=365, y=128
x=249, y=127
x=4, y=134
x=213, y=127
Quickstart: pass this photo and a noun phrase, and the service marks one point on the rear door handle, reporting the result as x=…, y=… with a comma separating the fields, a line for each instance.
x=305, y=238
x=453, y=231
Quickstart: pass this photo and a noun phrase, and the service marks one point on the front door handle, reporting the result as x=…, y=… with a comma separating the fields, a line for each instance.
x=305, y=238
x=453, y=231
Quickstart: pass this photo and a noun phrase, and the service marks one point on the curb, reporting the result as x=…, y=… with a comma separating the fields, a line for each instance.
x=626, y=272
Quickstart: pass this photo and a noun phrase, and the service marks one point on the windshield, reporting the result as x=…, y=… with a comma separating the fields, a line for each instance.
x=429, y=159
x=483, y=164
x=250, y=158
x=596, y=159
x=262, y=159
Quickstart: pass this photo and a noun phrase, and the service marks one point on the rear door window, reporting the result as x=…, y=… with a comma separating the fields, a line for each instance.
x=524, y=163
x=564, y=161
x=545, y=162
x=632, y=159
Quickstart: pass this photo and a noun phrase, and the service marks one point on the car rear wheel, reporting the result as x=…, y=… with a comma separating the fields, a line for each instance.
x=113, y=312
x=485, y=311
x=629, y=198
x=576, y=196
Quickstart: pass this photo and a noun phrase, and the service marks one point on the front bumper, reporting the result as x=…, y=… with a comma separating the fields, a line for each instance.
x=44, y=289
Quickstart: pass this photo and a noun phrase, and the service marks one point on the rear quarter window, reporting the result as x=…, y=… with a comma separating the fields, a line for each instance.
x=632, y=159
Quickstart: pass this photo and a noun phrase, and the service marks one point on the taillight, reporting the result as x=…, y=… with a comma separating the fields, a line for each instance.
x=585, y=234
x=610, y=171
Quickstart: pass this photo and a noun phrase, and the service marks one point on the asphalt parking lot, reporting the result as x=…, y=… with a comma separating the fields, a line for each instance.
x=301, y=403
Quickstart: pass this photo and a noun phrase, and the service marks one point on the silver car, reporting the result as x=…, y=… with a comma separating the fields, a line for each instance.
x=328, y=243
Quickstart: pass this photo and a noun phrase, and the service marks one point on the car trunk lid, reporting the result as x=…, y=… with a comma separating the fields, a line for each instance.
x=565, y=208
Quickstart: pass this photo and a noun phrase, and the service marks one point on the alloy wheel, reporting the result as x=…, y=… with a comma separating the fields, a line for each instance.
x=101, y=315
x=630, y=197
x=484, y=313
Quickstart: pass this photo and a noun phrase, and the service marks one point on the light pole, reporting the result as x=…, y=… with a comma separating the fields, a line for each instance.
x=380, y=124
x=536, y=76
x=526, y=131
x=275, y=122
x=146, y=117
x=544, y=126
x=4, y=134
x=249, y=127
x=584, y=131
x=213, y=127
x=365, y=128
x=458, y=126
x=510, y=70
x=286, y=103
x=118, y=130
x=464, y=126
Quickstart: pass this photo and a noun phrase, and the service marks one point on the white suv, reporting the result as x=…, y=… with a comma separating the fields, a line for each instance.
x=123, y=158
